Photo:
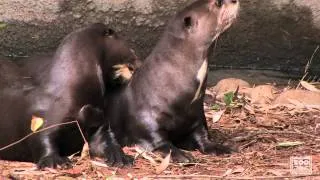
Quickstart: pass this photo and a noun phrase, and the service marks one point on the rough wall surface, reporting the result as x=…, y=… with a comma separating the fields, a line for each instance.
x=269, y=34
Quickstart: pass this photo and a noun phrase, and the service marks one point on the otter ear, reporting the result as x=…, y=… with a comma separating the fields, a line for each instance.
x=188, y=22
x=110, y=32
x=218, y=3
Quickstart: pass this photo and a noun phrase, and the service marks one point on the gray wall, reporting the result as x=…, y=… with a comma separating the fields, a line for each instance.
x=269, y=34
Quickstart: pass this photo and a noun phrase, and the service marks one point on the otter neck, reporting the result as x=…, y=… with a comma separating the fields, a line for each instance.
x=175, y=46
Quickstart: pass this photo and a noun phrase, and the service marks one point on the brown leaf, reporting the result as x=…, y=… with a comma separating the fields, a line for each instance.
x=164, y=164
x=217, y=116
x=309, y=86
x=85, y=151
x=144, y=154
x=100, y=164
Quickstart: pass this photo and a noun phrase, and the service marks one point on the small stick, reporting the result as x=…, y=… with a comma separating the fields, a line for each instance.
x=44, y=129
x=308, y=66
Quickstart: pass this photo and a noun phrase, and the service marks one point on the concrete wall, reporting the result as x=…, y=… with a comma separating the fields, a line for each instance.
x=275, y=34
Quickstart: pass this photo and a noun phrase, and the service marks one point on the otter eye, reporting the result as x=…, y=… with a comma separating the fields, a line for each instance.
x=188, y=22
x=109, y=32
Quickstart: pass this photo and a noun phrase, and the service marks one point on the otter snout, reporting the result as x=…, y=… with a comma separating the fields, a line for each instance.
x=228, y=12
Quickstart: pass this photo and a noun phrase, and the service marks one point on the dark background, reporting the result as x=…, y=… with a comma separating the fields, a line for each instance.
x=268, y=35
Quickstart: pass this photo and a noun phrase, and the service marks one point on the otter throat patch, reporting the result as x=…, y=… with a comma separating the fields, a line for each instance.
x=201, y=75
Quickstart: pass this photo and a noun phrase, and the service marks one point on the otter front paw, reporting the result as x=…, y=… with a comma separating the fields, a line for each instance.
x=54, y=161
x=177, y=155
x=104, y=145
x=116, y=157
x=181, y=157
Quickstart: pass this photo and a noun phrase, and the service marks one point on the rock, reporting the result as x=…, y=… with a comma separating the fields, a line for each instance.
x=230, y=85
x=271, y=34
x=263, y=94
x=298, y=97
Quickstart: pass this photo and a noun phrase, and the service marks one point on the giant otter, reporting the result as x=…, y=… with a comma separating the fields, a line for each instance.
x=162, y=106
x=73, y=84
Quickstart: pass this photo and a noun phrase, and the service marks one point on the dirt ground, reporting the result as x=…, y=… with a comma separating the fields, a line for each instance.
x=268, y=134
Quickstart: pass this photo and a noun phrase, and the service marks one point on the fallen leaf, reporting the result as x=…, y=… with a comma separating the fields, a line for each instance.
x=72, y=155
x=85, y=151
x=144, y=154
x=227, y=173
x=164, y=164
x=238, y=170
x=36, y=123
x=289, y=144
x=309, y=86
x=217, y=116
x=96, y=163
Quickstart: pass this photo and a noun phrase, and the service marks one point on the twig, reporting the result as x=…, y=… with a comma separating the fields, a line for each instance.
x=248, y=144
x=312, y=57
x=44, y=129
x=308, y=66
x=302, y=79
x=223, y=177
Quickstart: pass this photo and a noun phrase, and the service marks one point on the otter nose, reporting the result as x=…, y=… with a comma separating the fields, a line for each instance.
x=234, y=1
x=219, y=3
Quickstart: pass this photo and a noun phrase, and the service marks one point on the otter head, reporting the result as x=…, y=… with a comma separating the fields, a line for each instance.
x=201, y=22
x=122, y=61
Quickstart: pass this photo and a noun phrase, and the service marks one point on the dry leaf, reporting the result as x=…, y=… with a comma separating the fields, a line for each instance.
x=144, y=154
x=96, y=163
x=72, y=155
x=289, y=144
x=238, y=170
x=217, y=116
x=309, y=86
x=164, y=164
x=36, y=123
x=85, y=151
x=227, y=173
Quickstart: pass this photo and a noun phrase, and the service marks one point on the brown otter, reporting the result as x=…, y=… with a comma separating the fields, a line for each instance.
x=162, y=107
x=73, y=84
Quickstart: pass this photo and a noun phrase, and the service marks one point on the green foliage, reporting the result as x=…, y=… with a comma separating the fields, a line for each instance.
x=215, y=107
x=3, y=25
x=228, y=98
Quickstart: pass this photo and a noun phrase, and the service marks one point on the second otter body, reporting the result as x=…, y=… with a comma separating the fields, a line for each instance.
x=73, y=85
x=162, y=107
